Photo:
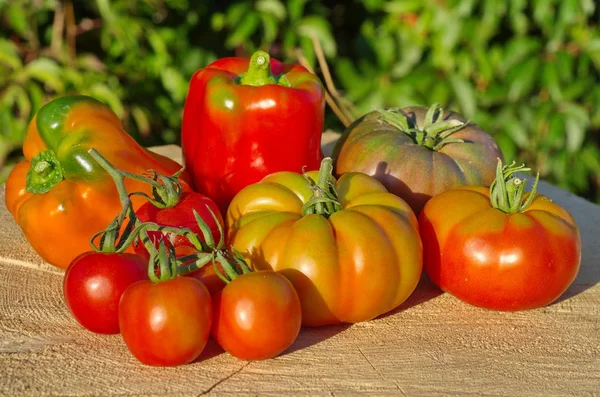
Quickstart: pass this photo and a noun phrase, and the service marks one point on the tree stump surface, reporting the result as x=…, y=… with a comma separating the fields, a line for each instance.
x=433, y=345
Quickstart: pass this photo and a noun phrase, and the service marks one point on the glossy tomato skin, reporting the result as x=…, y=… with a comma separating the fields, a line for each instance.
x=409, y=170
x=257, y=316
x=93, y=285
x=181, y=215
x=359, y=263
x=166, y=323
x=495, y=260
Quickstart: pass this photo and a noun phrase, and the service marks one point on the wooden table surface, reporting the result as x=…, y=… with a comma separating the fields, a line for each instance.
x=433, y=345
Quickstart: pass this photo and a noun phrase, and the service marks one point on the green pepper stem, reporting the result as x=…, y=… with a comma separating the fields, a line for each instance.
x=44, y=172
x=507, y=191
x=436, y=132
x=259, y=72
x=324, y=200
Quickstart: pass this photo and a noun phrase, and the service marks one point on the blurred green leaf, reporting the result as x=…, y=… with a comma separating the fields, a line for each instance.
x=464, y=95
x=174, y=83
x=244, y=30
x=270, y=28
x=316, y=26
x=17, y=18
x=141, y=119
x=272, y=7
x=402, y=6
x=46, y=71
x=103, y=93
x=9, y=54
x=295, y=9
x=523, y=78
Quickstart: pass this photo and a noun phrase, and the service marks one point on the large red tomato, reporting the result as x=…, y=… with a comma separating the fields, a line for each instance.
x=496, y=249
x=417, y=152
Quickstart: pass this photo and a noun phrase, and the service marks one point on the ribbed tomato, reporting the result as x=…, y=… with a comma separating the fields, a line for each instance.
x=498, y=248
x=351, y=249
x=417, y=152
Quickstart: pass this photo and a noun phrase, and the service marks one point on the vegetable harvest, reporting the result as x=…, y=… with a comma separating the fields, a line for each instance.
x=244, y=119
x=148, y=254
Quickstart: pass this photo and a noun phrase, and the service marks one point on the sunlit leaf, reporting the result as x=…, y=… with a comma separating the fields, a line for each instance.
x=316, y=26
x=46, y=71
x=272, y=7
x=244, y=30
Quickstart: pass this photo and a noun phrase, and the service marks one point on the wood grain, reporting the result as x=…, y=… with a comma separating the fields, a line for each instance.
x=433, y=345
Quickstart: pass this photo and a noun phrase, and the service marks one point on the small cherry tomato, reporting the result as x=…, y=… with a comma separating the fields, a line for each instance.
x=257, y=315
x=93, y=285
x=166, y=323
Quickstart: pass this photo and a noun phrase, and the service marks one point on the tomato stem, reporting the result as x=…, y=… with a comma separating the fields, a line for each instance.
x=164, y=260
x=324, y=200
x=507, y=191
x=436, y=132
x=232, y=264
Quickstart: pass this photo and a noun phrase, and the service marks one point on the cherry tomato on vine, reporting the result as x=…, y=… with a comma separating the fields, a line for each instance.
x=166, y=323
x=182, y=216
x=93, y=285
x=257, y=315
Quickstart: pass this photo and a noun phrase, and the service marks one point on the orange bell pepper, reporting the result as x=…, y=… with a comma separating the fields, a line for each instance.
x=60, y=196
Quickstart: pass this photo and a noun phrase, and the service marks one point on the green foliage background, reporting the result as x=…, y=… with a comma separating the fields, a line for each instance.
x=527, y=71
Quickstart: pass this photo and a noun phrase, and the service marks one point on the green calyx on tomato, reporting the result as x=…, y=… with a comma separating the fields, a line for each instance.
x=436, y=132
x=259, y=72
x=507, y=191
x=324, y=200
x=164, y=264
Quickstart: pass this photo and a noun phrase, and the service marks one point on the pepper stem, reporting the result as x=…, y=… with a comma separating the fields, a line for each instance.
x=45, y=172
x=436, y=132
x=507, y=191
x=259, y=72
x=324, y=200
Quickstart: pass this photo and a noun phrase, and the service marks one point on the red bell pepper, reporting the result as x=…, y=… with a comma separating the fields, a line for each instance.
x=246, y=118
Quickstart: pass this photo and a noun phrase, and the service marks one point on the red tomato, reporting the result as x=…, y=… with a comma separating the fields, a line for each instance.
x=257, y=315
x=93, y=285
x=498, y=260
x=182, y=215
x=166, y=323
x=207, y=275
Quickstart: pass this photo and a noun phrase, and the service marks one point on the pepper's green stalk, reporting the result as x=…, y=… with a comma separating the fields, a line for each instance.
x=324, y=200
x=436, y=132
x=507, y=191
x=45, y=172
x=259, y=72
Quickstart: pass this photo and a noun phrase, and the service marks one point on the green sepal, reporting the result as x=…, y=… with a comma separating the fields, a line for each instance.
x=44, y=172
x=435, y=134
